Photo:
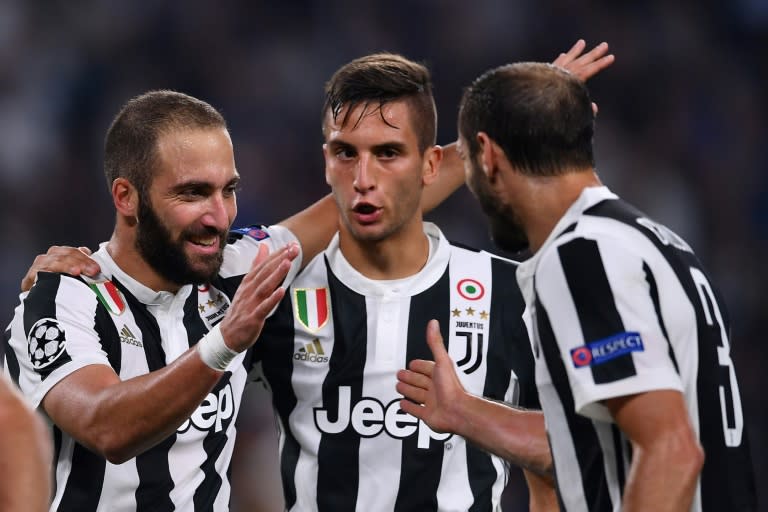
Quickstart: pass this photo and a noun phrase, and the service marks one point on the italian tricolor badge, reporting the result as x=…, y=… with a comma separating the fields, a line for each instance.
x=311, y=306
x=109, y=296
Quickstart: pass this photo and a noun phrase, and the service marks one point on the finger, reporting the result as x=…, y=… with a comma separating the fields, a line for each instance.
x=28, y=281
x=412, y=393
x=565, y=58
x=435, y=341
x=413, y=409
x=269, y=303
x=594, y=54
x=415, y=379
x=423, y=367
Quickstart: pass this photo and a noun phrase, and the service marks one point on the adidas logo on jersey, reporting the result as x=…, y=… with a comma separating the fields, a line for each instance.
x=312, y=352
x=126, y=336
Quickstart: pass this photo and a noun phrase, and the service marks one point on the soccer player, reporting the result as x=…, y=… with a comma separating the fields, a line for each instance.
x=132, y=365
x=631, y=339
x=25, y=454
x=354, y=313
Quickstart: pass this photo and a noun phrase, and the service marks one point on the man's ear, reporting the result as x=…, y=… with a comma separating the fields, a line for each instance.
x=487, y=155
x=432, y=158
x=126, y=198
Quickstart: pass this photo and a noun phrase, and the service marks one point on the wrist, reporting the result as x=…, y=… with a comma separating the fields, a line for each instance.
x=214, y=352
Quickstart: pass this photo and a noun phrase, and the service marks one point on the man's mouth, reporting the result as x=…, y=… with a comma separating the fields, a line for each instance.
x=366, y=213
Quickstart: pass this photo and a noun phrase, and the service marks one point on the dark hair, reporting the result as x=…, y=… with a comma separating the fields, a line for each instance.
x=382, y=78
x=130, y=147
x=540, y=115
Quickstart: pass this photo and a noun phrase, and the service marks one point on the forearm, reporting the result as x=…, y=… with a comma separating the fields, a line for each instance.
x=449, y=179
x=121, y=419
x=542, y=496
x=25, y=458
x=314, y=226
x=516, y=435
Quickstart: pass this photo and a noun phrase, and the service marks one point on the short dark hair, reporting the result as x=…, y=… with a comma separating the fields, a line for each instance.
x=382, y=78
x=130, y=147
x=539, y=114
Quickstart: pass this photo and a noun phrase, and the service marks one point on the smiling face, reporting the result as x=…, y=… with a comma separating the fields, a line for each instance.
x=190, y=205
x=376, y=171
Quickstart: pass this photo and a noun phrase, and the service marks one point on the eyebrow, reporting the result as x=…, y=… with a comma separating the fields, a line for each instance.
x=204, y=185
x=393, y=144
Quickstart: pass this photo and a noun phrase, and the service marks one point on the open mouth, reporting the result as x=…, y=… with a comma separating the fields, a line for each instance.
x=365, y=209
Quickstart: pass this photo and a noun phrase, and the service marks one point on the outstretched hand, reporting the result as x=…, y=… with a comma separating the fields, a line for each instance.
x=586, y=65
x=432, y=389
x=62, y=259
x=258, y=294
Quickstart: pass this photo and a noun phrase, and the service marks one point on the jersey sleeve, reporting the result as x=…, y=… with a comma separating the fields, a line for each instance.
x=244, y=245
x=53, y=335
x=599, y=302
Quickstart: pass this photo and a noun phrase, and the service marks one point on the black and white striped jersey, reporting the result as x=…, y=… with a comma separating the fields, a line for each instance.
x=66, y=323
x=330, y=356
x=621, y=305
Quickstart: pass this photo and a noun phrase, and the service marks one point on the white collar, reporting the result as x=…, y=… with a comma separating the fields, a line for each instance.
x=146, y=295
x=589, y=197
x=411, y=285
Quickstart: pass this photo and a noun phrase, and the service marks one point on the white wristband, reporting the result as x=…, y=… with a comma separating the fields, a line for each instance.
x=214, y=352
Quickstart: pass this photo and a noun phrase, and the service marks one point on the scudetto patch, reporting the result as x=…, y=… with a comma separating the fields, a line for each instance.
x=600, y=351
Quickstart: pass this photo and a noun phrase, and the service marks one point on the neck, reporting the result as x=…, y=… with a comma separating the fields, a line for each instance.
x=544, y=201
x=398, y=256
x=122, y=249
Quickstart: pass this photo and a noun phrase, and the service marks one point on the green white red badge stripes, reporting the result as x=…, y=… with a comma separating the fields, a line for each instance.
x=311, y=306
x=109, y=296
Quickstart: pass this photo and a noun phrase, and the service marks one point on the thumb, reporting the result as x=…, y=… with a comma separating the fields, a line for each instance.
x=435, y=341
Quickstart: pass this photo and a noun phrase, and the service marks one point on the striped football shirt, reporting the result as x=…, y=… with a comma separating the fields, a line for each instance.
x=330, y=355
x=66, y=323
x=620, y=305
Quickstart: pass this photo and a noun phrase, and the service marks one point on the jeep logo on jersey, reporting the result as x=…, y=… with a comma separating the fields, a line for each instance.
x=215, y=412
x=369, y=417
x=212, y=305
x=311, y=306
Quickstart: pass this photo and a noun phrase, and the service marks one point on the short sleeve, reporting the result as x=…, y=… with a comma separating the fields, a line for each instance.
x=244, y=245
x=53, y=335
x=598, y=299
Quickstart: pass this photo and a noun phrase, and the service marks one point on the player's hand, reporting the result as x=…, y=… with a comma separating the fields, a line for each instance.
x=257, y=296
x=63, y=259
x=586, y=65
x=432, y=389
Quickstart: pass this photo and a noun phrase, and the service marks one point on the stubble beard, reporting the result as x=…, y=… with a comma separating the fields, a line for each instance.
x=506, y=228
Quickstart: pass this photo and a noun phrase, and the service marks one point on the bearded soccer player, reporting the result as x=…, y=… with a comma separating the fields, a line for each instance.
x=631, y=339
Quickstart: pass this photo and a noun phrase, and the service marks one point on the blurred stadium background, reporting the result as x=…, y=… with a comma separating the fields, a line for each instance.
x=683, y=113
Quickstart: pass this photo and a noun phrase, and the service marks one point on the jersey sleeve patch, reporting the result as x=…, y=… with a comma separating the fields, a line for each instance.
x=47, y=346
x=254, y=231
x=606, y=349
